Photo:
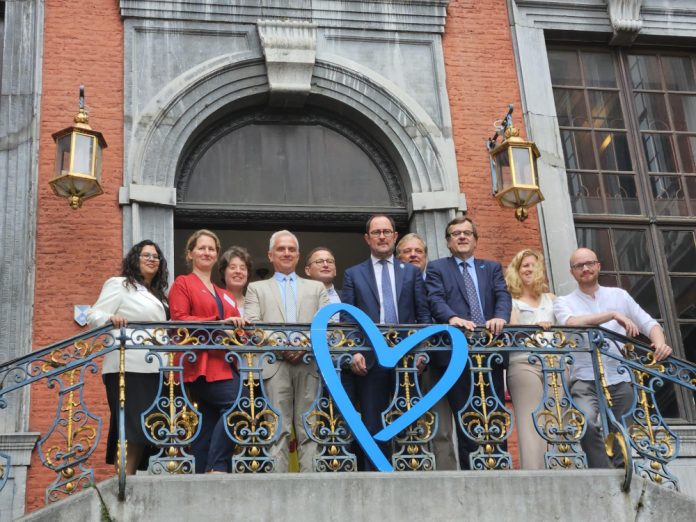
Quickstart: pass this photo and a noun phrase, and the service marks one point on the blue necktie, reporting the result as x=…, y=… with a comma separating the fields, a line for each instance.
x=472, y=297
x=290, y=306
x=387, y=295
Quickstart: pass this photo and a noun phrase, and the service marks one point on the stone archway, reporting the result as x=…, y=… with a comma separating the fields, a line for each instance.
x=423, y=157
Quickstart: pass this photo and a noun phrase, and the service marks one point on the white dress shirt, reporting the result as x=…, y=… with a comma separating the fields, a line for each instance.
x=605, y=299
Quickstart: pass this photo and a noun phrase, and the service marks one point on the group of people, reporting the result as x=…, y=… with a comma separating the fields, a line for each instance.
x=395, y=285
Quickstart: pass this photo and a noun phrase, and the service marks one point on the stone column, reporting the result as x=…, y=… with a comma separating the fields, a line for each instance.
x=19, y=135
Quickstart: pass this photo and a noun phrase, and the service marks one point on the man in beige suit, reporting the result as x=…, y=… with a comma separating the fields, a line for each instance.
x=290, y=384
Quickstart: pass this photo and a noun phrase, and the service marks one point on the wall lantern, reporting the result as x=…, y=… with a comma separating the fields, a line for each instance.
x=78, y=159
x=514, y=169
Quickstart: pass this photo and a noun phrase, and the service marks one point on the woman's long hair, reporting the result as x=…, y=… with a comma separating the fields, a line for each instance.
x=130, y=269
x=512, y=274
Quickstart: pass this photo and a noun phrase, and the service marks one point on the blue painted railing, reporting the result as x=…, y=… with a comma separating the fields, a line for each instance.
x=172, y=422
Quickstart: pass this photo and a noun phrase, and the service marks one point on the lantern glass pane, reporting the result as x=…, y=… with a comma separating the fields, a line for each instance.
x=524, y=172
x=503, y=172
x=82, y=160
x=62, y=165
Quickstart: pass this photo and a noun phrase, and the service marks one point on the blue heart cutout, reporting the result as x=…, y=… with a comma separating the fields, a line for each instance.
x=387, y=357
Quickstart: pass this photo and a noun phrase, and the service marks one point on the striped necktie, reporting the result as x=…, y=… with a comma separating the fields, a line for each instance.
x=472, y=297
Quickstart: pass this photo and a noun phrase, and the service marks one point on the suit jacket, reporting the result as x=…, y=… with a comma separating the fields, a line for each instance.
x=263, y=303
x=360, y=290
x=447, y=294
x=135, y=304
x=190, y=300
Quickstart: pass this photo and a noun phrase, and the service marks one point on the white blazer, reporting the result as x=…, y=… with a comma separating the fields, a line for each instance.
x=135, y=304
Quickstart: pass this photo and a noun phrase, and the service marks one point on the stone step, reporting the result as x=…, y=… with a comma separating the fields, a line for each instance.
x=441, y=496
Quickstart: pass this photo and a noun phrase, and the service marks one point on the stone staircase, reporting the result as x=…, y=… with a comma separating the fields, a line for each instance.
x=496, y=496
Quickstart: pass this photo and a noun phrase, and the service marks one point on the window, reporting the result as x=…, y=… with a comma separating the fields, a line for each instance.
x=627, y=122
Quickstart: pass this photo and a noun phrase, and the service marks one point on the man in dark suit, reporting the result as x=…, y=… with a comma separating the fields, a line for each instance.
x=389, y=292
x=467, y=292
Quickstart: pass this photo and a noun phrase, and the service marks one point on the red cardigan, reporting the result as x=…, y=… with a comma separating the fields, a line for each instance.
x=190, y=300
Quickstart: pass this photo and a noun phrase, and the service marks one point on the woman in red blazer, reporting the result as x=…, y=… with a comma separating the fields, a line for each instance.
x=211, y=380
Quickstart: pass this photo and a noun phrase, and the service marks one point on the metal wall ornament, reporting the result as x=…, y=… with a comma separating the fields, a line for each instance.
x=78, y=162
x=514, y=173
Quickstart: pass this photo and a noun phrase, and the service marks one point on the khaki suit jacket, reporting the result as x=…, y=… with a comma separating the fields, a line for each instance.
x=263, y=303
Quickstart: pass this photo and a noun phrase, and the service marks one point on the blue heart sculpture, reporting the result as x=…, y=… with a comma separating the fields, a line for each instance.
x=387, y=357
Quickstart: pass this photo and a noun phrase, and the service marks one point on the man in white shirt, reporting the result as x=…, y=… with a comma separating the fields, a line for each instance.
x=613, y=309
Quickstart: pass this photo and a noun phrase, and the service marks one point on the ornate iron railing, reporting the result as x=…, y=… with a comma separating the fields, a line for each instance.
x=173, y=421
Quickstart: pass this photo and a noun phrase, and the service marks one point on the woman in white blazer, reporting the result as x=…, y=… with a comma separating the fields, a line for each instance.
x=139, y=294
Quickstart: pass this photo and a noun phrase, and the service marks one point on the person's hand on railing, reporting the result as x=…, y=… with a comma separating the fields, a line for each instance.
x=545, y=324
x=238, y=322
x=662, y=350
x=119, y=321
x=495, y=325
x=462, y=323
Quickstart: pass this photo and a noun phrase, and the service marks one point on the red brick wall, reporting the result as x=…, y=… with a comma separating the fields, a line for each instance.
x=76, y=250
x=481, y=82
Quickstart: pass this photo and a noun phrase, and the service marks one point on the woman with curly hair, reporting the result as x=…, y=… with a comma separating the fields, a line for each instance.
x=532, y=304
x=138, y=294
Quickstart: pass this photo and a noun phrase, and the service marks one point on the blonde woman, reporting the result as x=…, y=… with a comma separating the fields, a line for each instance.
x=532, y=304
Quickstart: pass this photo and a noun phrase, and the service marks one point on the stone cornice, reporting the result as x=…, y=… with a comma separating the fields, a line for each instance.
x=392, y=15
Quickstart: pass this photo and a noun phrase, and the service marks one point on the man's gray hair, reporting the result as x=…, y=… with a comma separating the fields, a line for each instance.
x=280, y=234
x=409, y=237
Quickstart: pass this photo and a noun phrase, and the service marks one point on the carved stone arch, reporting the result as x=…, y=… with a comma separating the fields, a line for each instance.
x=166, y=126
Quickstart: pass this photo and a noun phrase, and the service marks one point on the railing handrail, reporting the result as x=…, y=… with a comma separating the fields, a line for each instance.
x=558, y=343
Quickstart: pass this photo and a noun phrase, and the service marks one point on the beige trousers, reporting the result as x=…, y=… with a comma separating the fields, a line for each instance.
x=292, y=391
x=526, y=384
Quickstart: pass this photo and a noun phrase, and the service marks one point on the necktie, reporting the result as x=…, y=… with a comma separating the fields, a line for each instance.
x=290, y=306
x=387, y=295
x=472, y=297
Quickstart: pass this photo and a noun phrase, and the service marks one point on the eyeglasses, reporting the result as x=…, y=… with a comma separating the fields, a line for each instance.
x=385, y=233
x=318, y=262
x=148, y=257
x=457, y=233
x=581, y=266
